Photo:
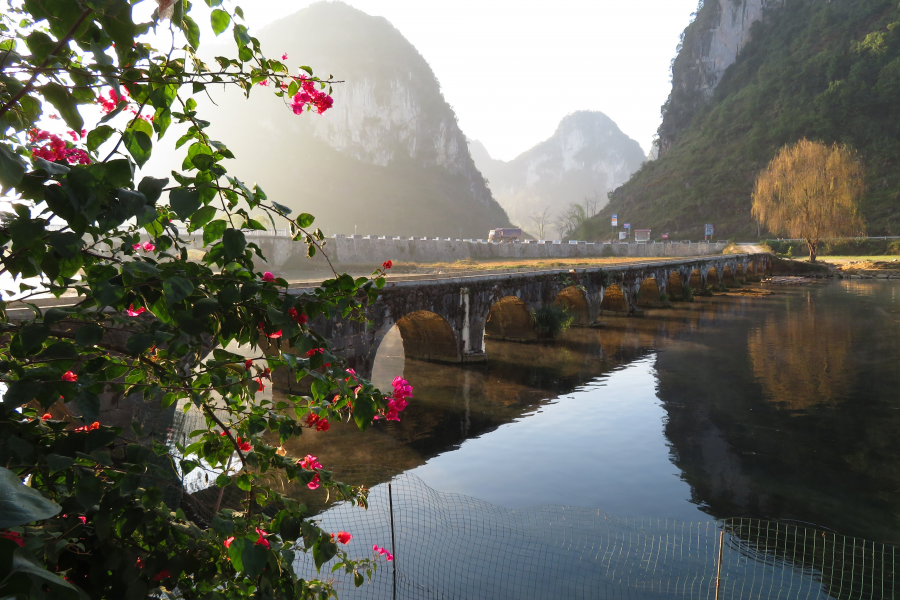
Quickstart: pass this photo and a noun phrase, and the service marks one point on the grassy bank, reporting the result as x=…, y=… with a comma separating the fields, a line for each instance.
x=846, y=248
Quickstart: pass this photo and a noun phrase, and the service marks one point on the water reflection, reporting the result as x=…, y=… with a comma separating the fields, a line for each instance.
x=780, y=407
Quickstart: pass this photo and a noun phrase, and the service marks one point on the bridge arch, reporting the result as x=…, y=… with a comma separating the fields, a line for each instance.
x=712, y=276
x=428, y=336
x=696, y=280
x=728, y=275
x=614, y=300
x=674, y=285
x=739, y=272
x=509, y=319
x=573, y=299
x=648, y=293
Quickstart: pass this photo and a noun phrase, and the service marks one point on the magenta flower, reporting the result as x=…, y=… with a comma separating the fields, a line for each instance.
x=136, y=247
x=69, y=376
x=315, y=483
x=264, y=83
x=135, y=313
x=268, y=277
x=147, y=246
x=310, y=462
x=284, y=56
x=262, y=541
x=344, y=537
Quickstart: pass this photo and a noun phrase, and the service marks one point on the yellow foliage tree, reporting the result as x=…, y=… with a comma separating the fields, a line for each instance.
x=811, y=190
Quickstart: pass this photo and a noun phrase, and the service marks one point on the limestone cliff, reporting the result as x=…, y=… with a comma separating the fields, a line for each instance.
x=588, y=155
x=389, y=158
x=710, y=45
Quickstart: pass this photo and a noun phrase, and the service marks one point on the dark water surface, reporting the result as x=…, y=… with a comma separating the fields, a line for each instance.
x=781, y=407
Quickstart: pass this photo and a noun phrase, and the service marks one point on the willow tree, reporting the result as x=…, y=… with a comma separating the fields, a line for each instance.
x=811, y=191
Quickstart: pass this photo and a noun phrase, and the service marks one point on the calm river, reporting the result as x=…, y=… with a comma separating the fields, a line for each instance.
x=783, y=407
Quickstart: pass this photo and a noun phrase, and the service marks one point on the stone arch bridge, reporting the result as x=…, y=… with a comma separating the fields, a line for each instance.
x=447, y=319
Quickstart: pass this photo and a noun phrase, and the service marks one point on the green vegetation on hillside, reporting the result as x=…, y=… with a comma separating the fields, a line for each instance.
x=825, y=71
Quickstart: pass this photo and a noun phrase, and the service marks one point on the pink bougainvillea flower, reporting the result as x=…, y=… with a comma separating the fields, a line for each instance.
x=136, y=247
x=264, y=83
x=227, y=542
x=284, y=56
x=262, y=541
x=267, y=276
x=277, y=334
x=267, y=374
x=388, y=556
x=387, y=264
x=14, y=536
x=300, y=318
x=135, y=313
x=83, y=520
x=311, y=420
x=310, y=462
x=148, y=246
x=313, y=352
x=315, y=483
x=261, y=386
x=46, y=416
x=402, y=388
x=222, y=434
x=69, y=376
x=91, y=427
x=244, y=445
x=248, y=363
x=323, y=425
x=344, y=537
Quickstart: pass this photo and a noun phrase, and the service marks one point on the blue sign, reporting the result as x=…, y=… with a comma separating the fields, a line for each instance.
x=615, y=220
x=627, y=225
x=709, y=229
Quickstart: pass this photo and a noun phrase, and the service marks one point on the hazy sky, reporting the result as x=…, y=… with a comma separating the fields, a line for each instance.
x=513, y=69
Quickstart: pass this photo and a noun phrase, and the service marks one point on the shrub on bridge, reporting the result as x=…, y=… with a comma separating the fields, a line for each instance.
x=139, y=320
x=550, y=321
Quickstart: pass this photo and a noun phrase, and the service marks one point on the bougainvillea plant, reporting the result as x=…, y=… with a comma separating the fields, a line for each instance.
x=84, y=96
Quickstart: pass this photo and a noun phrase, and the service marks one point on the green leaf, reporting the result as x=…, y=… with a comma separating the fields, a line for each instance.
x=177, y=289
x=151, y=188
x=305, y=220
x=20, y=504
x=55, y=315
x=32, y=336
x=88, y=490
x=234, y=242
x=213, y=231
x=191, y=31
x=12, y=168
x=254, y=559
x=323, y=551
x=222, y=526
x=89, y=335
x=66, y=243
x=108, y=294
x=64, y=102
x=236, y=551
x=184, y=202
x=139, y=343
x=290, y=528
x=138, y=139
x=363, y=411
x=202, y=217
x=88, y=404
x=59, y=463
x=96, y=137
x=220, y=21
x=22, y=563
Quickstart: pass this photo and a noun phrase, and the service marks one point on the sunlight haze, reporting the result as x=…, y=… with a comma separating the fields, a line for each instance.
x=513, y=70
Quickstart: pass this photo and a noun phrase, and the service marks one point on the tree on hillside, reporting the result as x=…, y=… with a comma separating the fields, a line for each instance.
x=811, y=190
x=570, y=220
x=541, y=222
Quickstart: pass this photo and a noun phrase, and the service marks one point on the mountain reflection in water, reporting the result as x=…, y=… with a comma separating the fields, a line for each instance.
x=782, y=407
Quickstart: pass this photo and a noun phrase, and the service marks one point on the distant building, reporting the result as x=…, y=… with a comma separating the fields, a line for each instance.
x=642, y=235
